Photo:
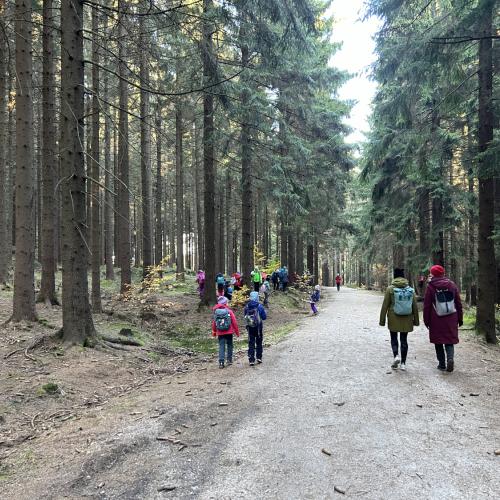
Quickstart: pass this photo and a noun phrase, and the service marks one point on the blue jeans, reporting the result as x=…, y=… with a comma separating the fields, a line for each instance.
x=254, y=339
x=223, y=339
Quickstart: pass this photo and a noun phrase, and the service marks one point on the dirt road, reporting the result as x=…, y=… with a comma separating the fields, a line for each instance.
x=415, y=434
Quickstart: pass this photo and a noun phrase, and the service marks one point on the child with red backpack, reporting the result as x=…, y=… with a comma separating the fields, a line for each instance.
x=224, y=325
x=200, y=279
x=254, y=315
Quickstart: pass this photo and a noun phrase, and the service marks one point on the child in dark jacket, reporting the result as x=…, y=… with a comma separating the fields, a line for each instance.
x=223, y=326
x=315, y=296
x=254, y=316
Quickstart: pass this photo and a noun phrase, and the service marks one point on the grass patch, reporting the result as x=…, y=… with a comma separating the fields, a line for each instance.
x=51, y=388
x=278, y=333
x=192, y=337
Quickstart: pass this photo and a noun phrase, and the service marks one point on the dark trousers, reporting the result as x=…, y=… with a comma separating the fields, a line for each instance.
x=256, y=286
x=285, y=286
x=440, y=348
x=338, y=287
x=275, y=285
x=404, y=344
x=254, y=344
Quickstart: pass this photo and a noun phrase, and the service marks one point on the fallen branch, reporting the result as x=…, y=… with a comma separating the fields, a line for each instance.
x=11, y=353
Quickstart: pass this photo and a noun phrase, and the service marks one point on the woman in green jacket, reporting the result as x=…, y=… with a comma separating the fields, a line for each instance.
x=396, y=322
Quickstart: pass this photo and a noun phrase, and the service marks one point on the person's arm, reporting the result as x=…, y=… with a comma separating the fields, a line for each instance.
x=385, y=306
x=214, y=329
x=262, y=313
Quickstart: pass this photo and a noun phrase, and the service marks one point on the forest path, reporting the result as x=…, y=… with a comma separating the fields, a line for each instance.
x=327, y=386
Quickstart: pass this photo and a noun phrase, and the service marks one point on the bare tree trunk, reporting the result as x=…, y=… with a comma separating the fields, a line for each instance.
x=123, y=163
x=201, y=238
x=24, y=288
x=291, y=255
x=310, y=258
x=424, y=223
x=300, y=252
x=50, y=162
x=229, y=227
x=246, y=182
x=222, y=245
x=179, y=194
x=208, y=151
x=485, y=317
x=4, y=239
x=78, y=326
x=108, y=196
x=437, y=218
x=96, y=220
x=116, y=199
x=38, y=189
x=284, y=242
x=316, y=260
x=12, y=173
x=159, y=193
x=146, y=182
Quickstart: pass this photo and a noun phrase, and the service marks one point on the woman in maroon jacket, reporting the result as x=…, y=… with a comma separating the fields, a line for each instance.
x=443, y=330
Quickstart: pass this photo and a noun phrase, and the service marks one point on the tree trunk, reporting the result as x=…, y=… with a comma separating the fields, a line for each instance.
x=108, y=196
x=96, y=220
x=159, y=193
x=310, y=258
x=179, y=192
x=424, y=226
x=146, y=182
x=246, y=181
x=485, y=317
x=300, y=252
x=201, y=239
x=438, y=243
x=291, y=255
x=123, y=163
x=4, y=239
x=78, y=326
x=38, y=189
x=316, y=260
x=208, y=154
x=24, y=288
x=398, y=257
x=50, y=162
x=229, y=227
x=284, y=242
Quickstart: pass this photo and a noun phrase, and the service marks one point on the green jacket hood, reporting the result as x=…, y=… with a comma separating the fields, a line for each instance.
x=400, y=282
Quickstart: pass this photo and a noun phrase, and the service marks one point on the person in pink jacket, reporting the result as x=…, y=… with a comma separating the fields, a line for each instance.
x=443, y=330
x=224, y=325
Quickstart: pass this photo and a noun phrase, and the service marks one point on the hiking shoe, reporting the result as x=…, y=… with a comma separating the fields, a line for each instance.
x=441, y=368
x=449, y=366
x=221, y=364
x=259, y=361
x=229, y=361
x=396, y=362
x=402, y=367
x=252, y=363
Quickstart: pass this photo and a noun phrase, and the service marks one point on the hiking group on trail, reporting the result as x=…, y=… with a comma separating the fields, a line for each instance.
x=224, y=323
x=442, y=316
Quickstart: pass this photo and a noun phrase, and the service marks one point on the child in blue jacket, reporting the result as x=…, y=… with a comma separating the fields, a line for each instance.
x=315, y=296
x=255, y=314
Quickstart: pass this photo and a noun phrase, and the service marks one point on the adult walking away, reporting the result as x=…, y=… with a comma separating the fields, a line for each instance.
x=200, y=279
x=255, y=314
x=442, y=316
x=257, y=279
x=338, y=280
x=285, y=279
x=400, y=307
x=275, y=279
x=237, y=280
x=224, y=325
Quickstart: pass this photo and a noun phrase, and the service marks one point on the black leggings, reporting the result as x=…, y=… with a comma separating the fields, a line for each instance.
x=404, y=344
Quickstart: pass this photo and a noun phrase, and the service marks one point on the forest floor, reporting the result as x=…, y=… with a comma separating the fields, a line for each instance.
x=250, y=432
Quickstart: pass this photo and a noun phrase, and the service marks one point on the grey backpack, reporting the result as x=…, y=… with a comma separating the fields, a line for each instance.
x=444, y=303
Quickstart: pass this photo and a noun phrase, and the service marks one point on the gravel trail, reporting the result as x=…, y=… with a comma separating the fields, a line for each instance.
x=415, y=434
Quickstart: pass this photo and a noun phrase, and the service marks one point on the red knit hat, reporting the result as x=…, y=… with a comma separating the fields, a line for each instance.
x=437, y=271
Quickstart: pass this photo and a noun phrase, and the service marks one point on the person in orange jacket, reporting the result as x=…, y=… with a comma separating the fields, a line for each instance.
x=224, y=325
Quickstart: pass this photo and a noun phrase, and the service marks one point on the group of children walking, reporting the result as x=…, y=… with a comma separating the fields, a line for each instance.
x=224, y=324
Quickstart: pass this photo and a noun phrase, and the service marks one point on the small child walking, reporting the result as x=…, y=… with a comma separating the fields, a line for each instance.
x=220, y=284
x=200, y=279
x=224, y=325
x=315, y=296
x=266, y=289
x=255, y=314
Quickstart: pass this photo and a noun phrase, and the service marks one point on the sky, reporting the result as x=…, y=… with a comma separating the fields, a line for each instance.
x=355, y=56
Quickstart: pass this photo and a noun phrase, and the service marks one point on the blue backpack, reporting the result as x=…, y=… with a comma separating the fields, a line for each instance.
x=403, y=301
x=315, y=296
x=222, y=319
x=220, y=281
